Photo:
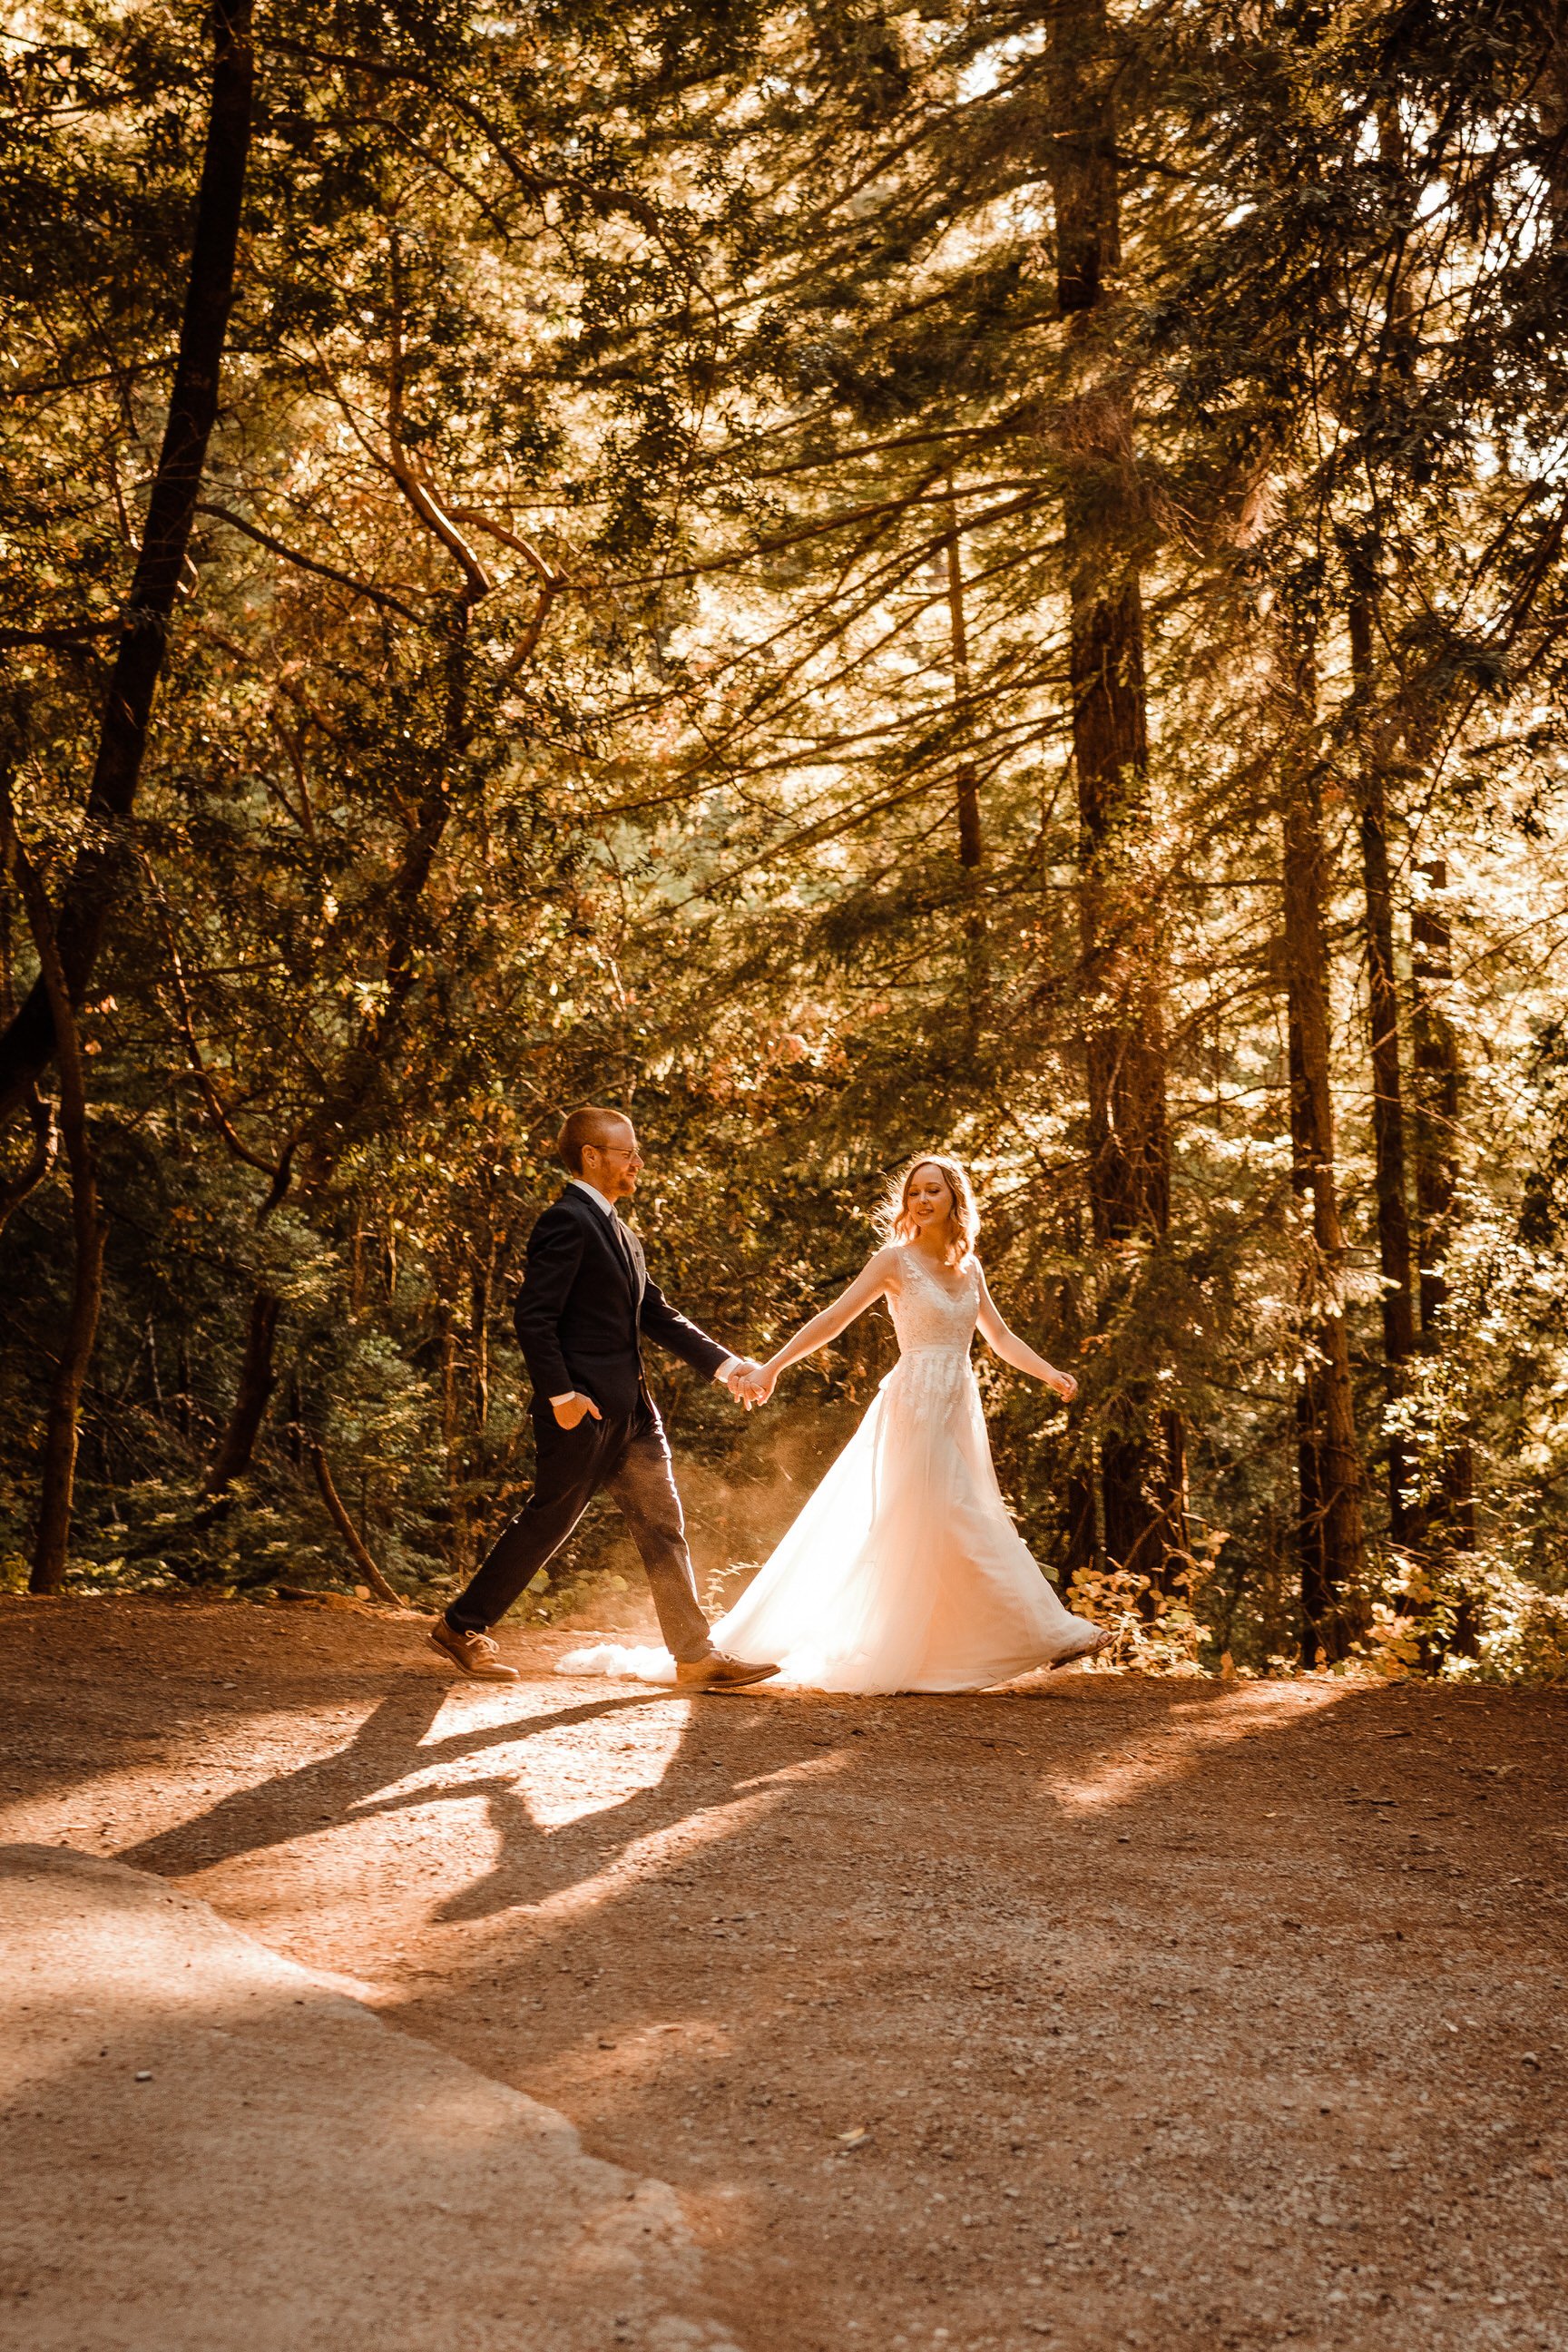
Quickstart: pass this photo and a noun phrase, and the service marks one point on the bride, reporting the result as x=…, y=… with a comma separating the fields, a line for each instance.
x=904, y=1572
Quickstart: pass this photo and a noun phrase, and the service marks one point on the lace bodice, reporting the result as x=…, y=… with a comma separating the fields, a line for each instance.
x=931, y=1309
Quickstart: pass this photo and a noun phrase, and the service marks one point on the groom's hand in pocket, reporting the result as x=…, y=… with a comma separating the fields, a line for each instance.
x=572, y=1408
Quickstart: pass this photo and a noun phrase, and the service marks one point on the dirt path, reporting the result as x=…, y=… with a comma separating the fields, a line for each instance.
x=205, y=2149
x=1096, y=2012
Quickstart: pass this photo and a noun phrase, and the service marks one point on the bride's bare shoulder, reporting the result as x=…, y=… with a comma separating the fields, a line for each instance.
x=888, y=1262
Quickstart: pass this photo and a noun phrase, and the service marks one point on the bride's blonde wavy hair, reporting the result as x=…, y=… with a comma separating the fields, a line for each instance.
x=893, y=1221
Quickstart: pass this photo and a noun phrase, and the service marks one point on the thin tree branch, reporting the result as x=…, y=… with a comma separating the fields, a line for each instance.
x=310, y=563
x=67, y=632
x=349, y=1533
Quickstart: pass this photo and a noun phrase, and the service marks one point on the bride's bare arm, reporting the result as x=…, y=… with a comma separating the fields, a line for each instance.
x=867, y=1286
x=1018, y=1352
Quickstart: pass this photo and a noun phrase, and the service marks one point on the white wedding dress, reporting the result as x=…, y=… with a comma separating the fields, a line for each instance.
x=903, y=1572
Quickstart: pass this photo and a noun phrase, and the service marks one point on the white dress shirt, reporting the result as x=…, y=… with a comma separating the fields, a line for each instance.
x=608, y=1206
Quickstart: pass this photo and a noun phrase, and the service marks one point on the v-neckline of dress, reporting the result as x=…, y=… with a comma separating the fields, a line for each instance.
x=931, y=1276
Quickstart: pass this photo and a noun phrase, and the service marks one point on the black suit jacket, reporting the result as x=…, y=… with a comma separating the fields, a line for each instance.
x=581, y=1312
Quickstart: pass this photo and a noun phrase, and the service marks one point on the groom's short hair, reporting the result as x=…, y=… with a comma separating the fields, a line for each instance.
x=590, y=1124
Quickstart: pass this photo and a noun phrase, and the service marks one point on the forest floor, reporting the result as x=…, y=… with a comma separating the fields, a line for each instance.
x=1095, y=2011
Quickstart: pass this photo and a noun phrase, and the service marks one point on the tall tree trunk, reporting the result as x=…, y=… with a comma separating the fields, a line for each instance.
x=453, y=1447
x=102, y=868
x=966, y=793
x=482, y=1278
x=1450, y=1515
x=1437, y=1088
x=1080, y=1540
x=1121, y=986
x=1314, y=1573
x=1174, y=1484
x=1330, y=1502
x=1395, y=1259
x=57, y=1483
x=236, y=1446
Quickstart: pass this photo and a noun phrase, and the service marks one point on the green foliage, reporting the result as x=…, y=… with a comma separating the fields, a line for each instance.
x=706, y=329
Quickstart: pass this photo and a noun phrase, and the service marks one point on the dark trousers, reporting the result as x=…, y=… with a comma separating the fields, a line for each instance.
x=630, y=1458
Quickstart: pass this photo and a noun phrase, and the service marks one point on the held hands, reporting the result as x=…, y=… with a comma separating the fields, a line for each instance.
x=1064, y=1386
x=749, y=1383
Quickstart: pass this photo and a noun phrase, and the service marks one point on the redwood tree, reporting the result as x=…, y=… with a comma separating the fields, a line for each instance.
x=1142, y=1469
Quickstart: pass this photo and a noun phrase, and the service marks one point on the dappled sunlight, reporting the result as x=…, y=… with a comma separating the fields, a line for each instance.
x=460, y=2112
x=350, y=1780
x=889, y=1991
x=643, y=1859
x=1188, y=1733
x=559, y=1777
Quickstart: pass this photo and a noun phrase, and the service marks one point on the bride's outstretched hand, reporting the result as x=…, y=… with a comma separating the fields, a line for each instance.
x=1066, y=1387
x=755, y=1384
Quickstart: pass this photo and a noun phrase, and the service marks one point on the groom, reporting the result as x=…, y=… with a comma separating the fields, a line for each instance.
x=584, y=1306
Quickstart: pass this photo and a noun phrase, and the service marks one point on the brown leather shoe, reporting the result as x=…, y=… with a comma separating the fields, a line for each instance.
x=475, y=1652
x=716, y=1672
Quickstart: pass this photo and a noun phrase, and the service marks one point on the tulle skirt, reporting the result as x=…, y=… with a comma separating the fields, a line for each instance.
x=903, y=1572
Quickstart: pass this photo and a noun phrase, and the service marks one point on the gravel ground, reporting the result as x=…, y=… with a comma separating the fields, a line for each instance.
x=1095, y=2011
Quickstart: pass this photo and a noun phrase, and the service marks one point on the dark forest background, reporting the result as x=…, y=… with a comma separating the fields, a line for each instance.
x=849, y=579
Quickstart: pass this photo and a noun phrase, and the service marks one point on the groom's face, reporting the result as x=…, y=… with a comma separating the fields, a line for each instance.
x=614, y=1164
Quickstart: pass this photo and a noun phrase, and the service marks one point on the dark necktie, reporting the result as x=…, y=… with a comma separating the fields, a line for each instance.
x=623, y=1241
